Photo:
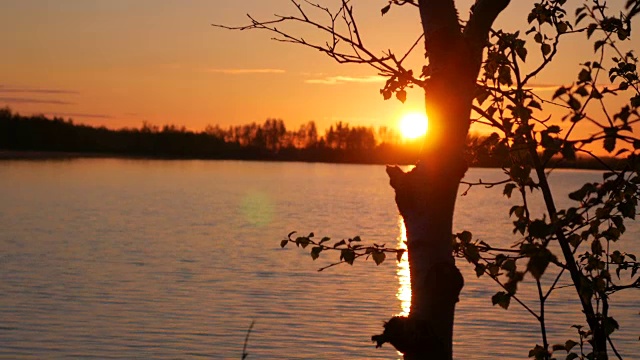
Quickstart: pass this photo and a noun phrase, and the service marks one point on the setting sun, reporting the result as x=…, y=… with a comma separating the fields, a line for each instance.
x=413, y=125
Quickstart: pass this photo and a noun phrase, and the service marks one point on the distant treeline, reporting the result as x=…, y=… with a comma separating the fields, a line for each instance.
x=341, y=143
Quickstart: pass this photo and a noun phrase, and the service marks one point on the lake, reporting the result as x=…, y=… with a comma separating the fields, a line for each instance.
x=151, y=259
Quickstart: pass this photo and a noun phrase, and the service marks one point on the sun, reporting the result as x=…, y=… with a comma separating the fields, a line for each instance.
x=413, y=125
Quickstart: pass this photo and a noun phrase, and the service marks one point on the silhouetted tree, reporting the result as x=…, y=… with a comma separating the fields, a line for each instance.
x=457, y=79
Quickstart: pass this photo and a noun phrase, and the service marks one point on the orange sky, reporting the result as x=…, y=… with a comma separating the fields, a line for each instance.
x=121, y=62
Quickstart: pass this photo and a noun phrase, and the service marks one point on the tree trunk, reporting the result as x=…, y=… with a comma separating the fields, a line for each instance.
x=427, y=194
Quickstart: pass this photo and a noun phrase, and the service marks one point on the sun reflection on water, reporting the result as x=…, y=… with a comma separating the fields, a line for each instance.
x=404, y=280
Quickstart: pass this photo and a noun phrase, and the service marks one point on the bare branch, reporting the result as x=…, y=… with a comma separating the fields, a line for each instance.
x=346, y=46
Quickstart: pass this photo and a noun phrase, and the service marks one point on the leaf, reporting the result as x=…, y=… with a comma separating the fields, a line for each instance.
x=509, y=265
x=627, y=209
x=325, y=239
x=539, y=352
x=539, y=262
x=302, y=241
x=508, y=189
x=521, y=51
x=572, y=356
x=558, y=347
x=315, y=252
x=348, y=256
x=590, y=29
x=553, y=129
x=284, y=243
x=561, y=91
x=574, y=103
x=378, y=257
x=504, y=76
x=569, y=345
x=609, y=143
x=584, y=75
x=596, y=247
x=546, y=49
x=534, y=104
x=482, y=96
x=582, y=90
x=401, y=95
x=472, y=254
x=610, y=325
x=480, y=268
x=579, y=194
x=385, y=9
x=518, y=211
x=339, y=243
x=399, y=254
x=575, y=240
x=569, y=151
x=538, y=38
x=501, y=298
x=465, y=236
x=562, y=27
x=539, y=229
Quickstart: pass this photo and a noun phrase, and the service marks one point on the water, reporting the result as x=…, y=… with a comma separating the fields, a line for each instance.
x=122, y=259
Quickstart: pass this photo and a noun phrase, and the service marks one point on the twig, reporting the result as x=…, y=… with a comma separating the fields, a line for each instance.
x=246, y=340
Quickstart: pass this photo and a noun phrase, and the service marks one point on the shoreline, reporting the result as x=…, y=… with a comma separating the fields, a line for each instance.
x=17, y=155
x=49, y=155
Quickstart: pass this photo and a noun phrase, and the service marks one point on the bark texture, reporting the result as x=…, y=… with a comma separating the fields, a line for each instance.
x=427, y=194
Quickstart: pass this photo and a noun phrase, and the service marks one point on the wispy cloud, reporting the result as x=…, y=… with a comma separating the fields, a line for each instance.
x=245, y=71
x=12, y=100
x=543, y=87
x=20, y=90
x=81, y=115
x=336, y=80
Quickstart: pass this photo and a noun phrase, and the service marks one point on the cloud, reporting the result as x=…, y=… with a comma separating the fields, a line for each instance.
x=18, y=90
x=81, y=115
x=543, y=87
x=11, y=100
x=335, y=80
x=245, y=71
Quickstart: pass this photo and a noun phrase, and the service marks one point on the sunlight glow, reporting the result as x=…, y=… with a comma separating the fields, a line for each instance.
x=413, y=125
x=402, y=272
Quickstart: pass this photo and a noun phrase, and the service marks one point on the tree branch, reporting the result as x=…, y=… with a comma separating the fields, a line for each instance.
x=484, y=13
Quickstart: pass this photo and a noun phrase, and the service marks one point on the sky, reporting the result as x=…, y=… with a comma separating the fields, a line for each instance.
x=119, y=63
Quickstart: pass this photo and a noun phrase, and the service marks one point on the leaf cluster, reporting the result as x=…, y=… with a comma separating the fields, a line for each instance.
x=348, y=249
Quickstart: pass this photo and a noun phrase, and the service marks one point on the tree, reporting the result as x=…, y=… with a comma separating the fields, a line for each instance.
x=472, y=70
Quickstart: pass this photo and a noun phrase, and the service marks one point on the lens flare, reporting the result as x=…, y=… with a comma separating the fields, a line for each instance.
x=257, y=208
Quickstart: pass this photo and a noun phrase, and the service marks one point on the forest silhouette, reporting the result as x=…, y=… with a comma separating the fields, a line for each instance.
x=22, y=136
